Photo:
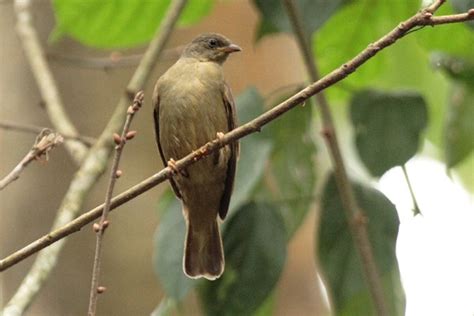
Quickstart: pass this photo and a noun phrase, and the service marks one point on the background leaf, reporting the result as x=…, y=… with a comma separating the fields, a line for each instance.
x=340, y=260
x=118, y=23
x=169, y=247
x=459, y=132
x=461, y=6
x=254, y=149
x=456, y=68
x=387, y=127
x=255, y=248
x=290, y=175
x=275, y=19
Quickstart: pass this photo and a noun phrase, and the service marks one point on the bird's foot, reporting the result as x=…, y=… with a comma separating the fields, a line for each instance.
x=172, y=165
x=220, y=135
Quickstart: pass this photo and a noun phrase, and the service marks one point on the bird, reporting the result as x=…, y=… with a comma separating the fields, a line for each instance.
x=193, y=105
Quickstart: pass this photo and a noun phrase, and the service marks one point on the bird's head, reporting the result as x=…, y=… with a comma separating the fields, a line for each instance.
x=210, y=47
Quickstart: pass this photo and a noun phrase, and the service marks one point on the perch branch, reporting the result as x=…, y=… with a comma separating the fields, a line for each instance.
x=44, y=78
x=114, y=175
x=45, y=141
x=87, y=141
x=250, y=127
x=91, y=168
x=357, y=227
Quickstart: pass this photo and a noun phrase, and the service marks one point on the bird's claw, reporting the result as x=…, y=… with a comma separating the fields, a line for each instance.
x=220, y=135
x=172, y=165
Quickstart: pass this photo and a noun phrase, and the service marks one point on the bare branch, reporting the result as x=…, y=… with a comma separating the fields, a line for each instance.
x=250, y=127
x=115, y=60
x=45, y=80
x=91, y=168
x=45, y=141
x=87, y=141
x=114, y=175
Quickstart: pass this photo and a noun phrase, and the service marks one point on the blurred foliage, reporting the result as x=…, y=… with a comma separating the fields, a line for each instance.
x=255, y=249
x=340, y=260
x=314, y=13
x=387, y=127
x=118, y=23
x=276, y=177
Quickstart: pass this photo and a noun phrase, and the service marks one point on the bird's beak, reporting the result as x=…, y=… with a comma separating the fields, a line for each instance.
x=232, y=48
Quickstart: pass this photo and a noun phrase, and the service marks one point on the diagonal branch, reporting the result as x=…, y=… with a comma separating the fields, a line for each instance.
x=87, y=141
x=250, y=127
x=45, y=141
x=355, y=215
x=45, y=80
x=91, y=168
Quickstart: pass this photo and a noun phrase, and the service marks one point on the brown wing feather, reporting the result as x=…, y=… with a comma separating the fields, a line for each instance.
x=234, y=149
x=156, y=117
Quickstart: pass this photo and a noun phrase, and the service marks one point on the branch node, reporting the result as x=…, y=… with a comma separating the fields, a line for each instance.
x=117, y=139
x=101, y=289
x=118, y=173
x=172, y=165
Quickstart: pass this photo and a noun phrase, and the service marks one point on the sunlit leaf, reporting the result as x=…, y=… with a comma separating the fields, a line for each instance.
x=387, y=127
x=255, y=248
x=339, y=258
x=118, y=23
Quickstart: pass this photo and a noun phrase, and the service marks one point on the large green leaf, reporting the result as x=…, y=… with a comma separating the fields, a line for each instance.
x=254, y=149
x=255, y=248
x=169, y=247
x=313, y=12
x=387, y=127
x=118, y=23
x=339, y=258
x=459, y=130
x=291, y=177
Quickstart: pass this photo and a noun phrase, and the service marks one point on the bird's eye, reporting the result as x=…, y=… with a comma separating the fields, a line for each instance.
x=212, y=43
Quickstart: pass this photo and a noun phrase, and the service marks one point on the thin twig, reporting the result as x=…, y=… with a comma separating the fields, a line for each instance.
x=45, y=141
x=44, y=78
x=250, y=127
x=353, y=212
x=91, y=168
x=88, y=141
x=103, y=224
x=115, y=60
x=416, y=208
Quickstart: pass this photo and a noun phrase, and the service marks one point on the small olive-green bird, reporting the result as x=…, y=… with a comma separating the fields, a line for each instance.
x=192, y=105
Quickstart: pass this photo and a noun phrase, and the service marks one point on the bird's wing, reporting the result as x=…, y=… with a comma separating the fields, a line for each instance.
x=234, y=151
x=156, y=117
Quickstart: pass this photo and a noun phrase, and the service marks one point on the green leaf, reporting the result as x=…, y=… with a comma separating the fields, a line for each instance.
x=459, y=130
x=387, y=127
x=457, y=68
x=255, y=247
x=168, y=255
x=339, y=258
x=292, y=172
x=314, y=13
x=118, y=23
x=254, y=149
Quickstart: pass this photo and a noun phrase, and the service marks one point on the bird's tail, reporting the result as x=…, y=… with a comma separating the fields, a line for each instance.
x=203, y=253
